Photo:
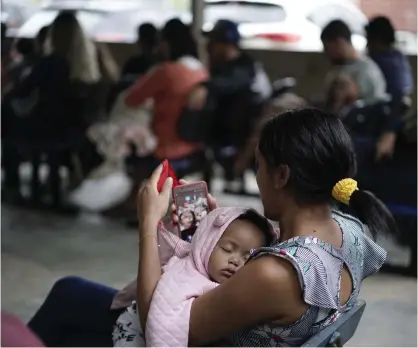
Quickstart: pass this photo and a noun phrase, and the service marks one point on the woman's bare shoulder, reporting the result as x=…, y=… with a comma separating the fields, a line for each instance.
x=265, y=290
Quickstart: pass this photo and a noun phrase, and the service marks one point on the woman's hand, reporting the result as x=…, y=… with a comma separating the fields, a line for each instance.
x=212, y=204
x=151, y=205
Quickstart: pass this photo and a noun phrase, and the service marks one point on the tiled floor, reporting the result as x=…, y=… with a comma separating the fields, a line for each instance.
x=39, y=248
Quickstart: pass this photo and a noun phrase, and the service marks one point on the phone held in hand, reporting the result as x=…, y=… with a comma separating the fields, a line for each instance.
x=192, y=205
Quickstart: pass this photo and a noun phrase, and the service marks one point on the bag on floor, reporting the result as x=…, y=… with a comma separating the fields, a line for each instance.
x=101, y=192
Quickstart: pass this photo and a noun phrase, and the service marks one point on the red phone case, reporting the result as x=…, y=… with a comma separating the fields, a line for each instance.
x=167, y=172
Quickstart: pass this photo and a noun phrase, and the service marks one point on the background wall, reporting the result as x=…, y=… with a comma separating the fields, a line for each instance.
x=403, y=13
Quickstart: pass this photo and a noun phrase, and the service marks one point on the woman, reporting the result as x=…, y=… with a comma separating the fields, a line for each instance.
x=302, y=155
x=167, y=85
x=290, y=291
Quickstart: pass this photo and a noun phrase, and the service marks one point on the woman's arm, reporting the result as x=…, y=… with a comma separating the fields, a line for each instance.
x=265, y=290
x=152, y=206
x=149, y=268
x=146, y=87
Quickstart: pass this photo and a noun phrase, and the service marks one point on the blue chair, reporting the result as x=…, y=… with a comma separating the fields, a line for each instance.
x=341, y=331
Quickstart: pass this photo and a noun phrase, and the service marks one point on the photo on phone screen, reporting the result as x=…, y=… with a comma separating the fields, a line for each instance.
x=192, y=206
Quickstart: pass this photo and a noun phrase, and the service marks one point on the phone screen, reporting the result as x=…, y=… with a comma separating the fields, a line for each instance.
x=192, y=206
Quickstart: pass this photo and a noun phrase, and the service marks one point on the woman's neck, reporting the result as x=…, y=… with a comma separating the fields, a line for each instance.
x=301, y=221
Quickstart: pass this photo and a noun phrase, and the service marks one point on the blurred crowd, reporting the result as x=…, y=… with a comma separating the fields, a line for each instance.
x=65, y=102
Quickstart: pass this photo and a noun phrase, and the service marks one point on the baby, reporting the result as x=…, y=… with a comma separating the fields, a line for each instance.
x=222, y=244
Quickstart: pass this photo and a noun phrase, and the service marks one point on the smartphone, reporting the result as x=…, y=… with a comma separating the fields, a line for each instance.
x=192, y=205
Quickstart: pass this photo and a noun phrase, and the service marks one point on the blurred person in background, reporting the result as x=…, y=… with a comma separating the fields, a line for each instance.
x=109, y=72
x=140, y=63
x=381, y=42
x=336, y=38
x=40, y=40
x=236, y=93
x=46, y=104
x=231, y=70
x=22, y=63
x=69, y=57
x=167, y=85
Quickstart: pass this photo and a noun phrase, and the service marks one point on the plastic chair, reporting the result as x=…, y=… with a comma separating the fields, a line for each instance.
x=341, y=331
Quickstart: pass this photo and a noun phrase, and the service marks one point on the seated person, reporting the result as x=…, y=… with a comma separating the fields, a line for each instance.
x=284, y=294
x=370, y=80
x=48, y=91
x=259, y=308
x=394, y=65
x=222, y=243
x=232, y=70
x=235, y=76
x=336, y=38
x=139, y=64
x=168, y=86
x=22, y=64
x=397, y=72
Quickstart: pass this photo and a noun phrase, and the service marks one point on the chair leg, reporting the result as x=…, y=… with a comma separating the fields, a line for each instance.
x=36, y=180
x=55, y=179
x=10, y=165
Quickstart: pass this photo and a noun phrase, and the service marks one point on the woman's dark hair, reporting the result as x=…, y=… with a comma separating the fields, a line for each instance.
x=380, y=28
x=336, y=29
x=25, y=47
x=179, y=39
x=147, y=35
x=188, y=233
x=260, y=222
x=193, y=216
x=318, y=150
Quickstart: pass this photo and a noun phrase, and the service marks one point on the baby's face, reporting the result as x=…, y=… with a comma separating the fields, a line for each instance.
x=233, y=249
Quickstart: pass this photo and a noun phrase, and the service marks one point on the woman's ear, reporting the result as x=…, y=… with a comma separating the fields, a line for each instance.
x=281, y=176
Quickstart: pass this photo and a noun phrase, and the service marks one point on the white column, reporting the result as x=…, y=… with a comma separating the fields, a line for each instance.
x=197, y=10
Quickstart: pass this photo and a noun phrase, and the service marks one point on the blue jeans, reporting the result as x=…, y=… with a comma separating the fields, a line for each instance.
x=76, y=313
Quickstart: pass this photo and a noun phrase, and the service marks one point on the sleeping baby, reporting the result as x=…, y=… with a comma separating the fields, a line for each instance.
x=222, y=244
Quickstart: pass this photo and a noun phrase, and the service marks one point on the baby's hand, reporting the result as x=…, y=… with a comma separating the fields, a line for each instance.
x=212, y=204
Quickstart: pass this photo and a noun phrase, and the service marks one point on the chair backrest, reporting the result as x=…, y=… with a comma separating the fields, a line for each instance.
x=338, y=333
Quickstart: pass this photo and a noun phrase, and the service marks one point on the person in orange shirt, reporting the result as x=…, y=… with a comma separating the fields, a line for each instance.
x=169, y=85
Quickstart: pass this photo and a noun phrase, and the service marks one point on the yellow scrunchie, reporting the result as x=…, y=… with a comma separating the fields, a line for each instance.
x=343, y=190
